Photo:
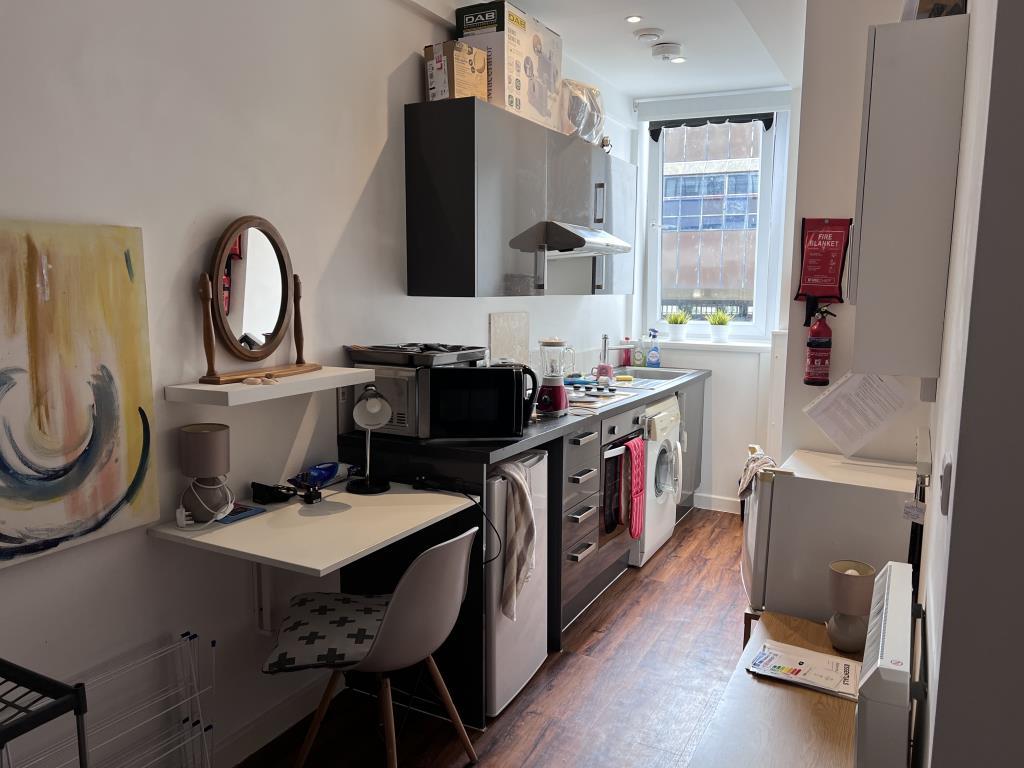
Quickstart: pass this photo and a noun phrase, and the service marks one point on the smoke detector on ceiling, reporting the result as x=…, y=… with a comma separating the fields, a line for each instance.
x=649, y=34
x=670, y=52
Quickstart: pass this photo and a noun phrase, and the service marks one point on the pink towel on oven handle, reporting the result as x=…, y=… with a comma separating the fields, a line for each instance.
x=636, y=449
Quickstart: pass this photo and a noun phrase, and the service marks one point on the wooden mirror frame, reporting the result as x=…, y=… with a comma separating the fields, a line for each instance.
x=220, y=260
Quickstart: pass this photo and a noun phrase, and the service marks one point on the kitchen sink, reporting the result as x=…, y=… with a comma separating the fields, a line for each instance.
x=650, y=378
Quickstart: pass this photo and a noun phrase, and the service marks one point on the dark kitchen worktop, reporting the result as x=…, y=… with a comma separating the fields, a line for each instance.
x=541, y=431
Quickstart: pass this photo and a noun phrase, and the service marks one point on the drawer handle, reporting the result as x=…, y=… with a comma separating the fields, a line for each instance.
x=582, y=477
x=583, y=439
x=588, y=550
x=582, y=517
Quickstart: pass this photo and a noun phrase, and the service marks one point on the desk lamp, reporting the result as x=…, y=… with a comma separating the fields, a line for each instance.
x=372, y=411
x=205, y=457
x=850, y=586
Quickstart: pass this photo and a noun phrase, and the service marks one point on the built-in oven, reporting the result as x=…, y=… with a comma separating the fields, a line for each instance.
x=617, y=433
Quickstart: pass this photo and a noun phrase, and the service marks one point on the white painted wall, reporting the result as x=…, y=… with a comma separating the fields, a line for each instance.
x=736, y=413
x=971, y=557
x=835, y=52
x=167, y=116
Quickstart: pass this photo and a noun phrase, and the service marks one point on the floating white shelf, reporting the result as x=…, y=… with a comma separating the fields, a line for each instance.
x=243, y=394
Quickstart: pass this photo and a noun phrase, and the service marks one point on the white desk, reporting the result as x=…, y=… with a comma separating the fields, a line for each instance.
x=318, y=539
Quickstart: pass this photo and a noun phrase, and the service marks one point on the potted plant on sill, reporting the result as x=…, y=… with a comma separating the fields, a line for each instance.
x=677, y=324
x=719, y=322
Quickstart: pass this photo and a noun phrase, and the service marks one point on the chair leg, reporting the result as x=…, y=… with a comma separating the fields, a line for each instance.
x=388, y=712
x=449, y=705
x=321, y=710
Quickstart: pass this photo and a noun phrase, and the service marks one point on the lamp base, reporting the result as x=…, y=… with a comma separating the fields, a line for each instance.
x=364, y=486
x=203, y=495
x=847, y=633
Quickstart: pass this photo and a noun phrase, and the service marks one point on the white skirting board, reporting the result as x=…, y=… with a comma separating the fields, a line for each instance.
x=717, y=503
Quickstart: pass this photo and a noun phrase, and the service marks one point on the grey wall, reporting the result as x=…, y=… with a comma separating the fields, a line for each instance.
x=972, y=556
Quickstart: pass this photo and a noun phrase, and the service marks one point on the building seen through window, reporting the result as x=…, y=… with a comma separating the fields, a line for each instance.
x=709, y=218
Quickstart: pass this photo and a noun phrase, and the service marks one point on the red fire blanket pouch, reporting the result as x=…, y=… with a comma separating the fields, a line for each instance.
x=822, y=261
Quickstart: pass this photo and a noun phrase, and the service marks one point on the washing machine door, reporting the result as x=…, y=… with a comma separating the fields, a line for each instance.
x=662, y=492
x=668, y=472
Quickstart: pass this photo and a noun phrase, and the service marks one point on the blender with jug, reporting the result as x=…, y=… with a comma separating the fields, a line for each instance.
x=557, y=359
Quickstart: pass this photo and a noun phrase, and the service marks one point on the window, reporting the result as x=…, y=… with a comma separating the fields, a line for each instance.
x=717, y=249
x=709, y=201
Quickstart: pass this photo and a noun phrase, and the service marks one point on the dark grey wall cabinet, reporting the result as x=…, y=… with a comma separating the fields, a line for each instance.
x=478, y=176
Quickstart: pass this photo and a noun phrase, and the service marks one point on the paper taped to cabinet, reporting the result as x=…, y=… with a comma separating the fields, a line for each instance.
x=857, y=408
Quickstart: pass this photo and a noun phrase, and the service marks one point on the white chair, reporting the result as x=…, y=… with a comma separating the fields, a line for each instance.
x=379, y=633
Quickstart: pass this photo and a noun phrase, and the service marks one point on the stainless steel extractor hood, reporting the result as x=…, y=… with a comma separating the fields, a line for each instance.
x=559, y=240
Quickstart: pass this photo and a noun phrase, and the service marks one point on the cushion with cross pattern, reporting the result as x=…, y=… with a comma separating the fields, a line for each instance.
x=326, y=629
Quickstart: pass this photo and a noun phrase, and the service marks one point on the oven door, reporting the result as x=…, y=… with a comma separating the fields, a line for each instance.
x=471, y=402
x=611, y=525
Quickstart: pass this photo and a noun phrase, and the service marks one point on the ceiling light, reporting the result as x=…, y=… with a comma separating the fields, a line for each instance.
x=649, y=35
x=670, y=52
x=634, y=19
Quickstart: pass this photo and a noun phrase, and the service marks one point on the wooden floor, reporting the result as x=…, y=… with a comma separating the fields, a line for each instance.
x=636, y=685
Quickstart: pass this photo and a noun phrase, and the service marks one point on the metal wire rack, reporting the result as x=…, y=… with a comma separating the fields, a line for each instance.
x=147, y=712
x=29, y=700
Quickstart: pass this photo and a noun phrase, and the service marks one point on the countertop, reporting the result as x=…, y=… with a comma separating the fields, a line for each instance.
x=541, y=431
x=774, y=724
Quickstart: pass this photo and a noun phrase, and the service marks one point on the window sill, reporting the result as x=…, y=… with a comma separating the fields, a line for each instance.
x=706, y=345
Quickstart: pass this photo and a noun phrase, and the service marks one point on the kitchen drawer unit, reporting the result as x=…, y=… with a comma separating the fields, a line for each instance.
x=581, y=521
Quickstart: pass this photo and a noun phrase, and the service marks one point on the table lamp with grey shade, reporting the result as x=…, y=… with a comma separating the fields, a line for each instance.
x=372, y=411
x=204, y=452
x=850, y=584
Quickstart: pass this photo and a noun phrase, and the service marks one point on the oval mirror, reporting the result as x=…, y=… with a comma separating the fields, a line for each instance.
x=252, y=288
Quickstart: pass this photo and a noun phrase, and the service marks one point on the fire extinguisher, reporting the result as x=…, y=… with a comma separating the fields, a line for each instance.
x=819, y=349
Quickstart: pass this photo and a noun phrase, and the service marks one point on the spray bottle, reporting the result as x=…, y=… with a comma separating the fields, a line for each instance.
x=654, y=351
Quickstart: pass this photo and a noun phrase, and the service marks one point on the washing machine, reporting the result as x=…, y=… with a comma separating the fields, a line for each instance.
x=664, y=464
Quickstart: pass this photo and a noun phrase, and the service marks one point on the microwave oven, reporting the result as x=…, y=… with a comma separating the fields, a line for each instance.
x=456, y=401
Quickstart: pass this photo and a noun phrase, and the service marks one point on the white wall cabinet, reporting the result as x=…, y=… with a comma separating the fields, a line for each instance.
x=910, y=144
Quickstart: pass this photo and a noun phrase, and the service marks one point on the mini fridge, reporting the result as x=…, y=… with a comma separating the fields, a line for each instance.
x=813, y=509
x=516, y=649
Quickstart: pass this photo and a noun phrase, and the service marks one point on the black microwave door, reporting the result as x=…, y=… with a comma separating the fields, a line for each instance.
x=475, y=402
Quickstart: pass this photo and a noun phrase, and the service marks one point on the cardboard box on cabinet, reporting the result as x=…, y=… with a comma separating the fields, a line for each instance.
x=455, y=69
x=524, y=59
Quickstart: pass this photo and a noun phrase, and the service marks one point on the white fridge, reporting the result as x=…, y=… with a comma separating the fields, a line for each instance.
x=516, y=649
x=816, y=508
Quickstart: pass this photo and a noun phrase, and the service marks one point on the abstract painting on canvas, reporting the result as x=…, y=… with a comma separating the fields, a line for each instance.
x=76, y=394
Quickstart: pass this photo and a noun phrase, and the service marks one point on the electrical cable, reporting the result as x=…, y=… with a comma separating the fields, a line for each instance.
x=408, y=705
x=487, y=517
x=440, y=485
x=185, y=520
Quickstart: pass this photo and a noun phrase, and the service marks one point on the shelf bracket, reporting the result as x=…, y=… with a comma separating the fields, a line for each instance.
x=261, y=589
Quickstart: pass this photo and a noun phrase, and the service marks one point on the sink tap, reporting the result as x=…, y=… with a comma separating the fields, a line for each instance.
x=604, y=367
x=625, y=345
